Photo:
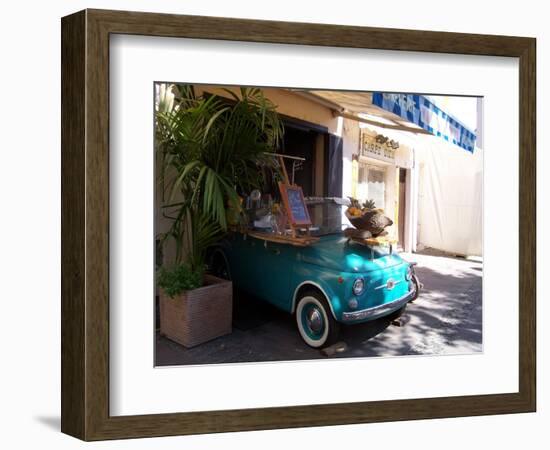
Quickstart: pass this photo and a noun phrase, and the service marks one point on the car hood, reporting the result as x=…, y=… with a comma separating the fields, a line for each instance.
x=335, y=252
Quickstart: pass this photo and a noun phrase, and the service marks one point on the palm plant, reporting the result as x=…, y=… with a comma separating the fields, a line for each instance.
x=210, y=150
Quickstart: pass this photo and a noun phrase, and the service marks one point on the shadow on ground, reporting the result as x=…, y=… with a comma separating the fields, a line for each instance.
x=445, y=319
x=52, y=422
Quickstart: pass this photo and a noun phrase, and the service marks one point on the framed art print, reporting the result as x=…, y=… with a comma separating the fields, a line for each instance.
x=273, y=225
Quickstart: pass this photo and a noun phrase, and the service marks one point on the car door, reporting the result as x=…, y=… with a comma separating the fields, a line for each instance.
x=273, y=265
x=242, y=258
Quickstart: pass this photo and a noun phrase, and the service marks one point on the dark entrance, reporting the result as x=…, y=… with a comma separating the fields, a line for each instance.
x=302, y=143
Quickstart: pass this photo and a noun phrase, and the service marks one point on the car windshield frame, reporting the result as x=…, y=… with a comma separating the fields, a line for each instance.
x=327, y=215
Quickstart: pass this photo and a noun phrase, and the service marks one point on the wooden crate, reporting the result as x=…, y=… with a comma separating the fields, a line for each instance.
x=199, y=315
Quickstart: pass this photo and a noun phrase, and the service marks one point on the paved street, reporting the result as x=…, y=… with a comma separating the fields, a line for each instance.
x=445, y=319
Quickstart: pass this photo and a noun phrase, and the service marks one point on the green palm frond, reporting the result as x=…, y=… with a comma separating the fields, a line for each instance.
x=211, y=149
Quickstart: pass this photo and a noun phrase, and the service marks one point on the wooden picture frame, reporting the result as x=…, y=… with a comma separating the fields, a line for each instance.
x=85, y=224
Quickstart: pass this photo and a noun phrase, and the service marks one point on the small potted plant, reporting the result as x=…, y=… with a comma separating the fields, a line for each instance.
x=195, y=307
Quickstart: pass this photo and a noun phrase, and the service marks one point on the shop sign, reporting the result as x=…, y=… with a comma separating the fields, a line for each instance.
x=379, y=147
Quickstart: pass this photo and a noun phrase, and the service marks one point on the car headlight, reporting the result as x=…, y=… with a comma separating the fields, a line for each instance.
x=358, y=286
x=408, y=275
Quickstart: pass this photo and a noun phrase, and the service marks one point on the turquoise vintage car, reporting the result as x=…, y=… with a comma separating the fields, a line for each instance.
x=331, y=282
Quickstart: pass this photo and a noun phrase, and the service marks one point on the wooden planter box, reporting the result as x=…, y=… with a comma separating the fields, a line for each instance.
x=199, y=315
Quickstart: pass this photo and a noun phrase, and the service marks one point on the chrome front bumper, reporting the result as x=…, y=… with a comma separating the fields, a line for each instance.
x=377, y=311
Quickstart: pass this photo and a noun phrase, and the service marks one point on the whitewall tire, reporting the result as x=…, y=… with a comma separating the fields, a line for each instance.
x=314, y=320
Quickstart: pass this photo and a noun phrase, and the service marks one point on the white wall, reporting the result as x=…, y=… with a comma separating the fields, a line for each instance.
x=449, y=208
x=450, y=193
x=29, y=178
x=450, y=197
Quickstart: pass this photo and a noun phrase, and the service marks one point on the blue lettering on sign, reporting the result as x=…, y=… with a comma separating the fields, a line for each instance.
x=419, y=110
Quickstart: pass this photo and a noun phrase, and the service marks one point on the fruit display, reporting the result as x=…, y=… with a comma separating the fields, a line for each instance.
x=367, y=217
x=355, y=209
x=368, y=205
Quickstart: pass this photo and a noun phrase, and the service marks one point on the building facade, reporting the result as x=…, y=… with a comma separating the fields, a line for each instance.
x=430, y=187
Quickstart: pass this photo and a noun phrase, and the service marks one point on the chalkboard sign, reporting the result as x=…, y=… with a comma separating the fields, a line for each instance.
x=295, y=205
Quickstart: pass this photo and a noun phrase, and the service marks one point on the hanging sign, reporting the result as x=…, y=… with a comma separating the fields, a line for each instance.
x=379, y=147
x=419, y=110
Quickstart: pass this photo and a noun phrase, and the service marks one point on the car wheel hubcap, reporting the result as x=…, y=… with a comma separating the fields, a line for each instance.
x=313, y=322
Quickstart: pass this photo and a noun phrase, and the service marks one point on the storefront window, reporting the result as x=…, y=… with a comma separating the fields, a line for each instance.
x=377, y=187
x=371, y=184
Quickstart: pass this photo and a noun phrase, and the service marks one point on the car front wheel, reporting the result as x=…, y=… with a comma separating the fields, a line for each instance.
x=416, y=287
x=315, y=322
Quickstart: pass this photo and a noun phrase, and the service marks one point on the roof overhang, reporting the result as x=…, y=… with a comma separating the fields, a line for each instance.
x=411, y=113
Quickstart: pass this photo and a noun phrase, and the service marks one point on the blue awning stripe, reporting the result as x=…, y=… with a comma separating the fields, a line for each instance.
x=421, y=111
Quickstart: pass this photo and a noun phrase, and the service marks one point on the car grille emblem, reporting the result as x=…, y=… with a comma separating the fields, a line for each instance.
x=389, y=285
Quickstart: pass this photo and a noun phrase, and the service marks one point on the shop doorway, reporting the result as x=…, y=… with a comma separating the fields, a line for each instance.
x=402, y=206
x=301, y=143
x=312, y=142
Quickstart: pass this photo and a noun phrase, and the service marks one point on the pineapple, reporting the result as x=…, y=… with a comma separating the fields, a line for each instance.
x=368, y=205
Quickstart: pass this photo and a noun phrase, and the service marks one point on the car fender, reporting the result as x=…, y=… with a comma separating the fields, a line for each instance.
x=315, y=285
x=219, y=250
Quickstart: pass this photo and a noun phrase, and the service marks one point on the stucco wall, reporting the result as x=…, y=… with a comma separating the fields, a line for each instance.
x=290, y=104
x=450, y=209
